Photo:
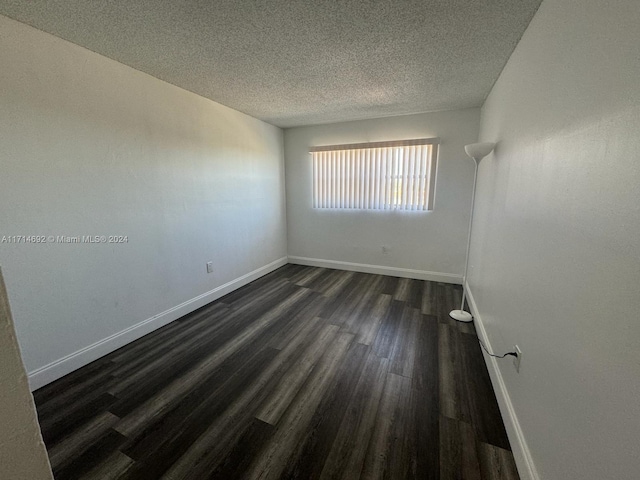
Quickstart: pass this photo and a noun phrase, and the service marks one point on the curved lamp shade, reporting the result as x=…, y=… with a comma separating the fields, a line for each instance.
x=478, y=151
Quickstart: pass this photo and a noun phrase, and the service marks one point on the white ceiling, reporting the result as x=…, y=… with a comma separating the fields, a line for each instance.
x=296, y=62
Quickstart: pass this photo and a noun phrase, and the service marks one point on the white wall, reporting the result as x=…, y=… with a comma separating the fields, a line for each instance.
x=556, y=247
x=22, y=451
x=432, y=243
x=92, y=147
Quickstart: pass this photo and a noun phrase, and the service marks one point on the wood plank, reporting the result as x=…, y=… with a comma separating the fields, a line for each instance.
x=404, y=347
x=414, y=295
x=368, y=330
x=458, y=452
x=281, y=398
x=208, y=320
x=402, y=289
x=363, y=302
x=163, y=442
x=304, y=278
x=253, y=292
x=349, y=448
x=324, y=280
x=81, y=440
x=425, y=405
x=65, y=421
x=238, y=460
x=296, y=326
x=388, y=330
x=170, y=358
x=390, y=285
x=452, y=385
x=176, y=389
x=387, y=455
x=89, y=373
x=496, y=463
x=211, y=447
x=272, y=460
x=428, y=300
x=82, y=465
x=114, y=467
x=81, y=389
x=337, y=282
x=344, y=299
x=443, y=306
x=309, y=455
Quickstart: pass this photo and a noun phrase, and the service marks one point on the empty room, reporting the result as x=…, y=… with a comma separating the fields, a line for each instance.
x=377, y=239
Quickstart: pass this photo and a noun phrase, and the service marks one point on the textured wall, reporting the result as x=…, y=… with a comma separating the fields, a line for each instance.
x=433, y=241
x=92, y=147
x=22, y=453
x=556, y=246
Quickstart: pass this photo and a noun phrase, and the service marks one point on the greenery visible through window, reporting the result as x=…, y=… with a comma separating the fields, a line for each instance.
x=376, y=176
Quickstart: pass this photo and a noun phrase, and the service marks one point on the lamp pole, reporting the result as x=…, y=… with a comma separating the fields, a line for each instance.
x=477, y=151
x=466, y=263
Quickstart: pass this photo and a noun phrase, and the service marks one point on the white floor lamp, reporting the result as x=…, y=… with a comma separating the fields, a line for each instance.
x=477, y=151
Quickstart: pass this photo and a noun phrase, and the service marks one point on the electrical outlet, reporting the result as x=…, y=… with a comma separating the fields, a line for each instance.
x=209, y=267
x=518, y=359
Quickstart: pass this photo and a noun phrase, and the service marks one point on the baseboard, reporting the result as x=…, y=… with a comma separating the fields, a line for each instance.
x=521, y=453
x=61, y=367
x=378, y=269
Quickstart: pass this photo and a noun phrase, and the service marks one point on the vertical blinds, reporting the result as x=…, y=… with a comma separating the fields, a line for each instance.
x=375, y=176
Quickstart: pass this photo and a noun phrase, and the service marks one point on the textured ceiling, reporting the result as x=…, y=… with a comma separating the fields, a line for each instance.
x=296, y=62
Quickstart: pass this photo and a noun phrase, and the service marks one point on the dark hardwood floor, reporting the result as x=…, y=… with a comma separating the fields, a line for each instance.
x=304, y=373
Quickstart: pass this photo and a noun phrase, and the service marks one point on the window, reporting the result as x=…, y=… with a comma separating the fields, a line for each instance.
x=376, y=176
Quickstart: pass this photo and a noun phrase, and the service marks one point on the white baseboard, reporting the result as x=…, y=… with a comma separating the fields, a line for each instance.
x=521, y=452
x=379, y=269
x=86, y=355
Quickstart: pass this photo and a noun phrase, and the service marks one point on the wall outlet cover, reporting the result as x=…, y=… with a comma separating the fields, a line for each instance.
x=518, y=359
